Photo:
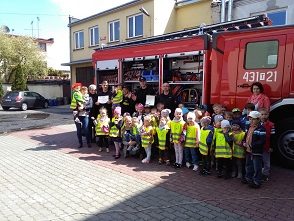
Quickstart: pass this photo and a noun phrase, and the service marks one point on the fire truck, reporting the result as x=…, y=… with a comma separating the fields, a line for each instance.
x=215, y=64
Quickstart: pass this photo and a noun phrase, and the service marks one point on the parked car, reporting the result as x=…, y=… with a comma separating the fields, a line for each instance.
x=23, y=100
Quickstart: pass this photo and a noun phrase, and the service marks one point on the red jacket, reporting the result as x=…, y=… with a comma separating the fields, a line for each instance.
x=270, y=131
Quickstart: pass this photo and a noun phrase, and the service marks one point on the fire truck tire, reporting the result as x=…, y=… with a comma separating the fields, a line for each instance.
x=284, y=149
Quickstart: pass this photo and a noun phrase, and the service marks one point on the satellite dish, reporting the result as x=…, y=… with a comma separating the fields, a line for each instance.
x=4, y=29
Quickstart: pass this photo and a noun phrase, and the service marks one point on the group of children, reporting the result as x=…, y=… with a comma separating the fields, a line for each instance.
x=234, y=144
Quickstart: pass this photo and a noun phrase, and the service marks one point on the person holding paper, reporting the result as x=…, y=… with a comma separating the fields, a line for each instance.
x=140, y=94
x=104, y=97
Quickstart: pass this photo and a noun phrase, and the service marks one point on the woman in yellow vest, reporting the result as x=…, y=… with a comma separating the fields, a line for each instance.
x=192, y=132
x=206, y=137
x=114, y=132
x=223, y=150
x=176, y=126
x=161, y=131
x=239, y=152
x=147, y=133
x=102, y=129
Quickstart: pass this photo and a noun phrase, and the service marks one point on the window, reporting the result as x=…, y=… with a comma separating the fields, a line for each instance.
x=135, y=25
x=79, y=39
x=94, y=36
x=277, y=17
x=261, y=54
x=42, y=46
x=114, y=31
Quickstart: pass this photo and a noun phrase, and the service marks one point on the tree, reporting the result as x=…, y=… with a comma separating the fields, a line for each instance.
x=19, y=52
x=19, y=83
x=1, y=90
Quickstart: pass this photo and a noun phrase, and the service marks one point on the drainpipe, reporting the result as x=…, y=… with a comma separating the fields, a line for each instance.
x=230, y=9
x=223, y=11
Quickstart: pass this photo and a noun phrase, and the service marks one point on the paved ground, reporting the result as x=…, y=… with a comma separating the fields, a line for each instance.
x=43, y=176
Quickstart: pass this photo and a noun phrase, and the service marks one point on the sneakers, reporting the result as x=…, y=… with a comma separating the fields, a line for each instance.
x=160, y=161
x=145, y=160
x=167, y=162
x=188, y=165
x=100, y=149
x=107, y=150
x=195, y=168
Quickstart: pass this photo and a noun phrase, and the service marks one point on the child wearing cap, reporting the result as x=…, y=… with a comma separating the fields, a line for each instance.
x=115, y=130
x=191, y=131
x=244, y=119
x=238, y=150
x=76, y=101
x=217, y=129
x=223, y=150
x=254, y=143
x=169, y=152
x=176, y=126
x=206, y=137
x=270, y=132
x=102, y=129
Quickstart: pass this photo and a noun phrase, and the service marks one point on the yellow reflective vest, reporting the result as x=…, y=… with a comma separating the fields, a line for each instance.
x=161, y=134
x=176, y=130
x=76, y=97
x=222, y=147
x=147, y=139
x=114, y=131
x=191, y=136
x=118, y=98
x=203, y=148
x=100, y=124
x=238, y=151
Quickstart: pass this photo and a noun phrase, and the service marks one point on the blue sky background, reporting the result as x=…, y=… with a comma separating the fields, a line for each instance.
x=53, y=15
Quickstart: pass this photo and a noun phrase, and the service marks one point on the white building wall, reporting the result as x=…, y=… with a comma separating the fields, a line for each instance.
x=162, y=12
x=248, y=8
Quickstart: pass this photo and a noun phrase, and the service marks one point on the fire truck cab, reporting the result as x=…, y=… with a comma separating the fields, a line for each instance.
x=263, y=55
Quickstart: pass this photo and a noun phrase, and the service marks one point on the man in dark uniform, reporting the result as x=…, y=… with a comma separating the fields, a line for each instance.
x=127, y=105
x=140, y=94
x=105, y=92
x=167, y=98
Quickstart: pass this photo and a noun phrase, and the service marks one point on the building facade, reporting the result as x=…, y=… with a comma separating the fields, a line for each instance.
x=281, y=12
x=135, y=20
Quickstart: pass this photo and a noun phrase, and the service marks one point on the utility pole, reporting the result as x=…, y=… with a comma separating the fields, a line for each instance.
x=32, y=24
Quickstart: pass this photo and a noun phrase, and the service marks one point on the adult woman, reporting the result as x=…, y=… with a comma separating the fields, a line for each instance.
x=258, y=98
x=83, y=115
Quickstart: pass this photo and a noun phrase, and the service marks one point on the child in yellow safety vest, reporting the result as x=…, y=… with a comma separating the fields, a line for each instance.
x=176, y=126
x=117, y=97
x=76, y=101
x=239, y=152
x=102, y=129
x=114, y=132
x=217, y=129
x=206, y=138
x=162, y=131
x=147, y=133
x=191, y=132
x=223, y=150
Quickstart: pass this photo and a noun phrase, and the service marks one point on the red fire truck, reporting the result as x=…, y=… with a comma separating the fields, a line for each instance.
x=215, y=64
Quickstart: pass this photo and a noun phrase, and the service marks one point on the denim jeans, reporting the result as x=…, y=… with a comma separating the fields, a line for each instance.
x=191, y=154
x=83, y=129
x=253, y=168
x=266, y=157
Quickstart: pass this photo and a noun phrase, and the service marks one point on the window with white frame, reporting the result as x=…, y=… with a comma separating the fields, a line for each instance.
x=79, y=39
x=94, y=36
x=114, y=28
x=277, y=17
x=135, y=26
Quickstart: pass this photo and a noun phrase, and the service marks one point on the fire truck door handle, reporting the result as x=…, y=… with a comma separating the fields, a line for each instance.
x=244, y=85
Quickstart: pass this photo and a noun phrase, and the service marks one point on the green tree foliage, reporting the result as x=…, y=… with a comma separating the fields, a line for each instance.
x=1, y=90
x=19, y=82
x=20, y=52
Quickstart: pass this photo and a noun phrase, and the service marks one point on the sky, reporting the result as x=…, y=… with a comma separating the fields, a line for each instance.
x=49, y=19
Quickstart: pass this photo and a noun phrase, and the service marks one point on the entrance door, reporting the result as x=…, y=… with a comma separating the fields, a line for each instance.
x=261, y=59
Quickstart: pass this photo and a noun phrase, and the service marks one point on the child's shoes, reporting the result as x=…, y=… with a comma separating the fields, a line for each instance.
x=195, y=168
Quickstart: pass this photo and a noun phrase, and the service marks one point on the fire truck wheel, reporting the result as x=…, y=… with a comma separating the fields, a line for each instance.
x=285, y=142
